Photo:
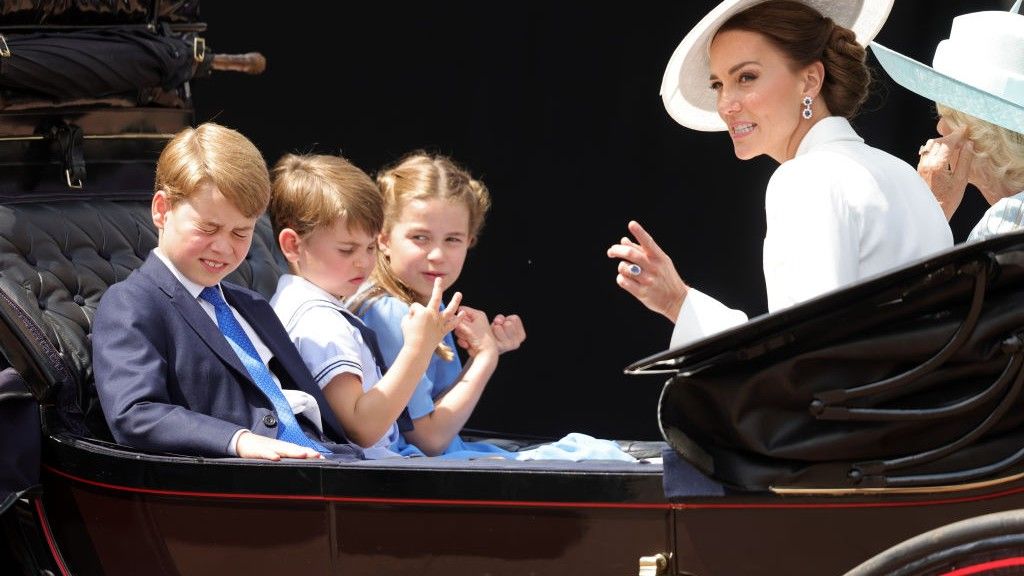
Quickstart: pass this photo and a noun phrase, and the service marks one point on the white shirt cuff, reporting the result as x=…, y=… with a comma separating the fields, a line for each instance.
x=233, y=445
x=701, y=316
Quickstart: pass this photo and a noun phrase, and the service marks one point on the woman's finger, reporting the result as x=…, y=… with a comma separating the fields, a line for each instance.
x=645, y=240
x=962, y=166
x=630, y=270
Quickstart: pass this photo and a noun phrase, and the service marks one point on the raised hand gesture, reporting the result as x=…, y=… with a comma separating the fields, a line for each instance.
x=424, y=326
x=646, y=272
x=945, y=164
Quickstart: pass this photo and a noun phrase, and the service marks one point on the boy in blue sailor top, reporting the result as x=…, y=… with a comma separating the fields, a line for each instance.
x=326, y=213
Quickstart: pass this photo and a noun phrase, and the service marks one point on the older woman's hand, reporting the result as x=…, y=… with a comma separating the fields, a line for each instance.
x=945, y=165
x=646, y=272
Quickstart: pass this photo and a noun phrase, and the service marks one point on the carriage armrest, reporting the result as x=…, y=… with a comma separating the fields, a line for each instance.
x=20, y=441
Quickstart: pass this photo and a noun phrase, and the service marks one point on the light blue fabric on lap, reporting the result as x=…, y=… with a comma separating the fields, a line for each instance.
x=576, y=447
x=459, y=449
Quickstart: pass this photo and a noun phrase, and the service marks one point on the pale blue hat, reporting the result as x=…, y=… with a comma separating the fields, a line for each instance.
x=685, y=86
x=978, y=70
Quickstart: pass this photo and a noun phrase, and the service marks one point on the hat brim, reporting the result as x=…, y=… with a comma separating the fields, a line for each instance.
x=934, y=85
x=685, y=87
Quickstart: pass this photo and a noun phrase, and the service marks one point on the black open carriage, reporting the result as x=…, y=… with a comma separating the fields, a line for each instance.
x=880, y=424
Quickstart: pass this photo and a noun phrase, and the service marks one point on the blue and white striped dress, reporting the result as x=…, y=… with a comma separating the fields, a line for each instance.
x=1004, y=216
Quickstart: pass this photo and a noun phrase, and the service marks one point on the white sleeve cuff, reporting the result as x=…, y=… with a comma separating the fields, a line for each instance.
x=701, y=316
x=233, y=445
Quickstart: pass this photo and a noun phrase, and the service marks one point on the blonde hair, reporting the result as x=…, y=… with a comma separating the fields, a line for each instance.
x=313, y=191
x=220, y=156
x=1001, y=147
x=422, y=176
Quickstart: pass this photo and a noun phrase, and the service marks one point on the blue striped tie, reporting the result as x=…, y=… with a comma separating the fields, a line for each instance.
x=287, y=426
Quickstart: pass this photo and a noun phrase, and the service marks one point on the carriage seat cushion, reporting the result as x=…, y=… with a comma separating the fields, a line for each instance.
x=56, y=261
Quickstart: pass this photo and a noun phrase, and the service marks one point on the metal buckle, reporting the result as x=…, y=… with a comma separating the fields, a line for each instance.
x=198, y=49
x=655, y=565
x=76, y=184
x=5, y=50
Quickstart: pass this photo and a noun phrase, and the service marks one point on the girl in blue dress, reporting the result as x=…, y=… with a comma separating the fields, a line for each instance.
x=434, y=211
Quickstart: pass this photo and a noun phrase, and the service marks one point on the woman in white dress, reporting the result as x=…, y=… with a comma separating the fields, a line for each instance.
x=783, y=78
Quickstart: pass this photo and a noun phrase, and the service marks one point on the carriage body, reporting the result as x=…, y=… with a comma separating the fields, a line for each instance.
x=101, y=508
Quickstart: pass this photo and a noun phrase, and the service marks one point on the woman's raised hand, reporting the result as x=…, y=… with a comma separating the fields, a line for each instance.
x=646, y=272
x=945, y=164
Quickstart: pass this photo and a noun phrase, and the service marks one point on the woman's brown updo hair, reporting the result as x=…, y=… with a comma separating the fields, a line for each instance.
x=805, y=36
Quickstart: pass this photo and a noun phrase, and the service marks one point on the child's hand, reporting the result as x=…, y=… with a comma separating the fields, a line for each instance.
x=424, y=326
x=508, y=332
x=474, y=332
x=252, y=445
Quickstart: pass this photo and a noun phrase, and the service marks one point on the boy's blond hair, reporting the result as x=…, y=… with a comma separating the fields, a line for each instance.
x=218, y=155
x=312, y=191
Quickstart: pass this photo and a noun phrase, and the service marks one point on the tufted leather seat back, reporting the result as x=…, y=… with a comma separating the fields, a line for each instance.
x=56, y=261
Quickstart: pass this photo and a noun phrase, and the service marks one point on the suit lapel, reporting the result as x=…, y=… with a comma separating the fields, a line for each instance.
x=263, y=322
x=193, y=313
x=246, y=306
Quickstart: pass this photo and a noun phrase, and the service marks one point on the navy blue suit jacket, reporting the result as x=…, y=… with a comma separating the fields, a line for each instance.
x=169, y=381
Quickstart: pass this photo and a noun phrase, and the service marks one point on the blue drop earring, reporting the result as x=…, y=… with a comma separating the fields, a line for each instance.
x=807, y=113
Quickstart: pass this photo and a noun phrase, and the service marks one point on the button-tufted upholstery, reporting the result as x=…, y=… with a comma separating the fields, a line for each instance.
x=56, y=261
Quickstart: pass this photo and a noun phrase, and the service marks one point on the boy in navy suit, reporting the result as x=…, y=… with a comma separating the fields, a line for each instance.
x=185, y=363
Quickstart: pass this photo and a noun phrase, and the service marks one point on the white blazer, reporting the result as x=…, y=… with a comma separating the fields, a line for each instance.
x=838, y=212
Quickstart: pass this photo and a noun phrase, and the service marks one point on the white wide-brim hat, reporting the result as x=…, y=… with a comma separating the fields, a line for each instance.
x=978, y=70
x=685, y=88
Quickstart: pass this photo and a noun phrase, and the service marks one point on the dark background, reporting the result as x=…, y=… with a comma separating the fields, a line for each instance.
x=555, y=106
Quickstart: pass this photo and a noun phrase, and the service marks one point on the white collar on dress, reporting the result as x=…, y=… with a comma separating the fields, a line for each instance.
x=827, y=130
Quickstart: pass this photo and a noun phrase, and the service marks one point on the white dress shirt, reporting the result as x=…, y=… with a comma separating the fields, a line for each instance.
x=837, y=212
